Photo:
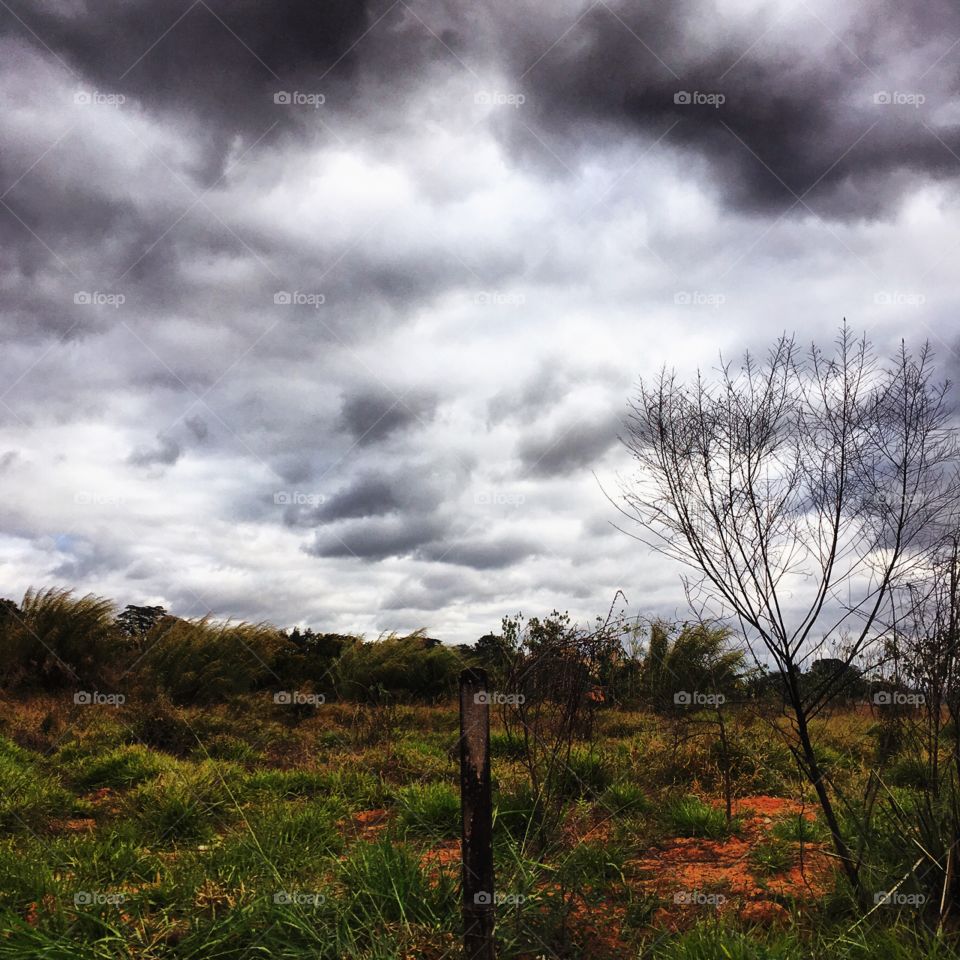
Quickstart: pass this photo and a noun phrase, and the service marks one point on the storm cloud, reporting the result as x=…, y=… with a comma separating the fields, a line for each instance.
x=329, y=313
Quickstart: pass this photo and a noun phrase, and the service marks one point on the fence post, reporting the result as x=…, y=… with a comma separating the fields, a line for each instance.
x=476, y=808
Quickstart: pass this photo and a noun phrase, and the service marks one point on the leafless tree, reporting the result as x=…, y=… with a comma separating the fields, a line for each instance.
x=797, y=492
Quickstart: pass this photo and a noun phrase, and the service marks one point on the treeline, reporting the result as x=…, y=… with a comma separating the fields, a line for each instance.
x=54, y=640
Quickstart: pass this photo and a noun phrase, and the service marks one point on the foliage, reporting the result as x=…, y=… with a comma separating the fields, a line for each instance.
x=56, y=639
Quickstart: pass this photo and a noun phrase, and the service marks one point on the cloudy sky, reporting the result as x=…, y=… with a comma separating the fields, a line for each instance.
x=328, y=313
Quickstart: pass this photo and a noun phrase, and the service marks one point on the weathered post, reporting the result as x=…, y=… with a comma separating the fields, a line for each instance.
x=476, y=807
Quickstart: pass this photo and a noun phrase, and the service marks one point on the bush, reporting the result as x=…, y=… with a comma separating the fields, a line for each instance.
x=201, y=661
x=56, y=639
x=411, y=667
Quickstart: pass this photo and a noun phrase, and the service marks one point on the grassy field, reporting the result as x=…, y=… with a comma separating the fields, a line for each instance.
x=264, y=830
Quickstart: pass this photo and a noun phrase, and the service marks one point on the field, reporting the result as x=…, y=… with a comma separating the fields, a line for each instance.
x=256, y=829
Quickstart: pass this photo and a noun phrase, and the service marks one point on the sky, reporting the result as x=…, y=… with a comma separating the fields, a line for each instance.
x=329, y=314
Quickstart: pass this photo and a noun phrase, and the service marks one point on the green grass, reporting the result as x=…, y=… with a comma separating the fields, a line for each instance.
x=690, y=816
x=429, y=810
x=203, y=837
x=772, y=856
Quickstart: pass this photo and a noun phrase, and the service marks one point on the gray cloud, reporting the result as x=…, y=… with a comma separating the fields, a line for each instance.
x=165, y=452
x=505, y=271
x=373, y=415
x=568, y=447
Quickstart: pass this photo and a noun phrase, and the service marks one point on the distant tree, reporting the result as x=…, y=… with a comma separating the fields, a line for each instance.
x=689, y=658
x=136, y=622
x=396, y=668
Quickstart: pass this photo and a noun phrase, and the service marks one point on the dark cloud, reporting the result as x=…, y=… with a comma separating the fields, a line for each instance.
x=373, y=415
x=198, y=427
x=371, y=540
x=795, y=118
x=569, y=447
x=218, y=60
x=369, y=496
x=165, y=452
x=480, y=554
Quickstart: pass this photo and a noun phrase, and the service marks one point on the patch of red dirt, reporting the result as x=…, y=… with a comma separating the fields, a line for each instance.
x=105, y=800
x=366, y=823
x=444, y=855
x=84, y=825
x=694, y=876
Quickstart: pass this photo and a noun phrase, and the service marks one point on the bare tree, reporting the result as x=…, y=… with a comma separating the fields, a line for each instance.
x=798, y=492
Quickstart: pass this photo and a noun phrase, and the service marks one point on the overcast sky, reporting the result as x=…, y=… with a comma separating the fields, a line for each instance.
x=328, y=313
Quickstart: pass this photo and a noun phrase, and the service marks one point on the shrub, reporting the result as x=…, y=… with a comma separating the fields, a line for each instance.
x=201, y=661
x=411, y=667
x=56, y=639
